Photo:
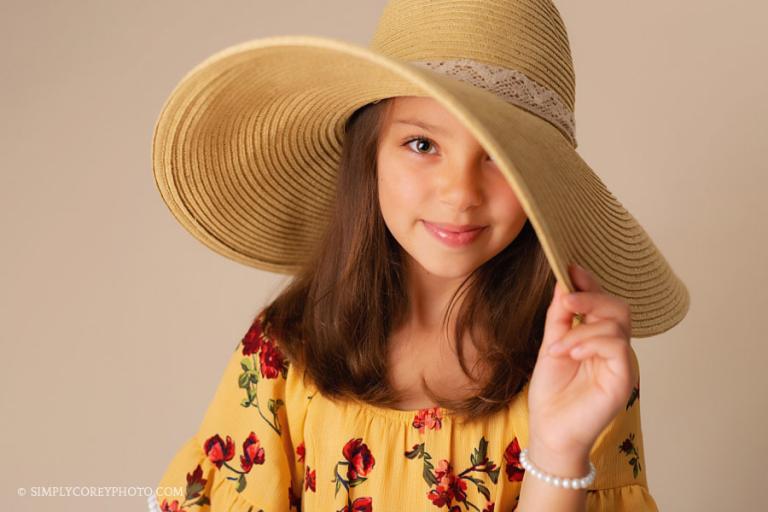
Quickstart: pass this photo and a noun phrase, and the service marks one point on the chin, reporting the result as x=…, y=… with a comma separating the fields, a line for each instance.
x=447, y=267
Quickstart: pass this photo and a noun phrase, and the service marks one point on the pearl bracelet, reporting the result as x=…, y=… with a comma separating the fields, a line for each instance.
x=565, y=483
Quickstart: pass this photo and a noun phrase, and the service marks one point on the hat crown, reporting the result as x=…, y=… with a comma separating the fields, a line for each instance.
x=524, y=35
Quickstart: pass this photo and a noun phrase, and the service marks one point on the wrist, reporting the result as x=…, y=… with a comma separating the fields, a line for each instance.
x=569, y=463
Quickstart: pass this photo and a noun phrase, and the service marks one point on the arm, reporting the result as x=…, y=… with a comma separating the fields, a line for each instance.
x=620, y=484
x=573, y=396
x=536, y=494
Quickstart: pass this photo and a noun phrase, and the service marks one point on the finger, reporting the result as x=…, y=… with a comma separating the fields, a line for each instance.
x=558, y=318
x=583, y=279
x=617, y=357
x=560, y=290
x=599, y=305
x=613, y=351
x=585, y=331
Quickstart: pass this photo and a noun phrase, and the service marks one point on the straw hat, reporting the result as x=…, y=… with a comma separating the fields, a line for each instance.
x=246, y=148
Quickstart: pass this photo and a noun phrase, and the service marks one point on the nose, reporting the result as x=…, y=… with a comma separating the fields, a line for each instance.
x=460, y=185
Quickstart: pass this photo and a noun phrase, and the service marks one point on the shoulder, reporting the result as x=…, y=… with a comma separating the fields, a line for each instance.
x=266, y=373
x=260, y=382
x=252, y=433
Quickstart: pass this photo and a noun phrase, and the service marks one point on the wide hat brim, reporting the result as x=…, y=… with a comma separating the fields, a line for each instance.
x=246, y=147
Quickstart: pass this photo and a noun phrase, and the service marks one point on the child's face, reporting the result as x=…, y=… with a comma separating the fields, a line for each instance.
x=448, y=179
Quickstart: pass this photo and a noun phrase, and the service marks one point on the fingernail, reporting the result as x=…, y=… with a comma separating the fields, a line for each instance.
x=555, y=347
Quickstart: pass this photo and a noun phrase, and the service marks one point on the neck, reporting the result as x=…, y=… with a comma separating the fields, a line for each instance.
x=429, y=296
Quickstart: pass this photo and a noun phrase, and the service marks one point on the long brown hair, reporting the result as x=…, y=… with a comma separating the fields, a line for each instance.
x=335, y=317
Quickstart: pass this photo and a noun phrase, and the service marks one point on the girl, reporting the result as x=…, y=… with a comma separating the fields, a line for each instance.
x=427, y=352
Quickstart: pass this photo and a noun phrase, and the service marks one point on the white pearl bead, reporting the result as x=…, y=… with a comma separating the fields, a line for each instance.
x=566, y=483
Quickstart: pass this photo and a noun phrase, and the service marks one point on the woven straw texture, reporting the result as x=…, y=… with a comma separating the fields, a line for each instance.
x=246, y=147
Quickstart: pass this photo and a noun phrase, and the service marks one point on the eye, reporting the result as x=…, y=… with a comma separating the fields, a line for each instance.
x=421, y=140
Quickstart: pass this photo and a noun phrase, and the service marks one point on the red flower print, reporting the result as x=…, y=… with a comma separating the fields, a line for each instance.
x=271, y=360
x=193, y=496
x=270, y=364
x=514, y=469
x=489, y=507
x=309, y=480
x=362, y=504
x=360, y=458
x=195, y=483
x=430, y=418
x=253, y=338
x=448, y=488
x=253, y=452
x=218, y=451
x=301, y=452
x=170, y=507
x=359, y=462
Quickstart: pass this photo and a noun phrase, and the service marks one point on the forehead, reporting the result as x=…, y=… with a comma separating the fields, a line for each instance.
x=421, y=107
x=409, y=112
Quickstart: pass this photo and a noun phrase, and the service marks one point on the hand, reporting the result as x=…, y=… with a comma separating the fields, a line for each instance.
x=574, y=395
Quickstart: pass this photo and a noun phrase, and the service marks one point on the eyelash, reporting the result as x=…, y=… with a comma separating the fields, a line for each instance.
x=422, y=138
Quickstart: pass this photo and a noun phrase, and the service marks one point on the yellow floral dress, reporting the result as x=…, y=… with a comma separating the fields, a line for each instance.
x=271, y=442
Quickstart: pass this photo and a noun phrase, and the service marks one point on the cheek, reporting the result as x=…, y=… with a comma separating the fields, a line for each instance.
x=502, y=198
x=506, y=210
x=508, y=206
x=400, y=194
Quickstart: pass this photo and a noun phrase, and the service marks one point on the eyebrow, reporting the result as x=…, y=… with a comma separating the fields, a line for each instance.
x=421, y=124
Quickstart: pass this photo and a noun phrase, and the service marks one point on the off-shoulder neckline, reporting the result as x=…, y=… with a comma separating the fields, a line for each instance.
x=405, y=415
x=401, y=414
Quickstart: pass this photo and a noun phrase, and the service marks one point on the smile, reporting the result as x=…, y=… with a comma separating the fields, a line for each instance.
x=451, y=238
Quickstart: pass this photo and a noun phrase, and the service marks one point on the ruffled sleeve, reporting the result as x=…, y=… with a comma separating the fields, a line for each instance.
x=248, y=452
x=620, y=483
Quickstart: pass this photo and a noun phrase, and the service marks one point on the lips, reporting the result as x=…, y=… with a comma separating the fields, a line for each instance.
x=454, y=238
x=455, y=228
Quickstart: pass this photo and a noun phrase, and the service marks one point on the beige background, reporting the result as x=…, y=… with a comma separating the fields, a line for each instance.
x=116, y=323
